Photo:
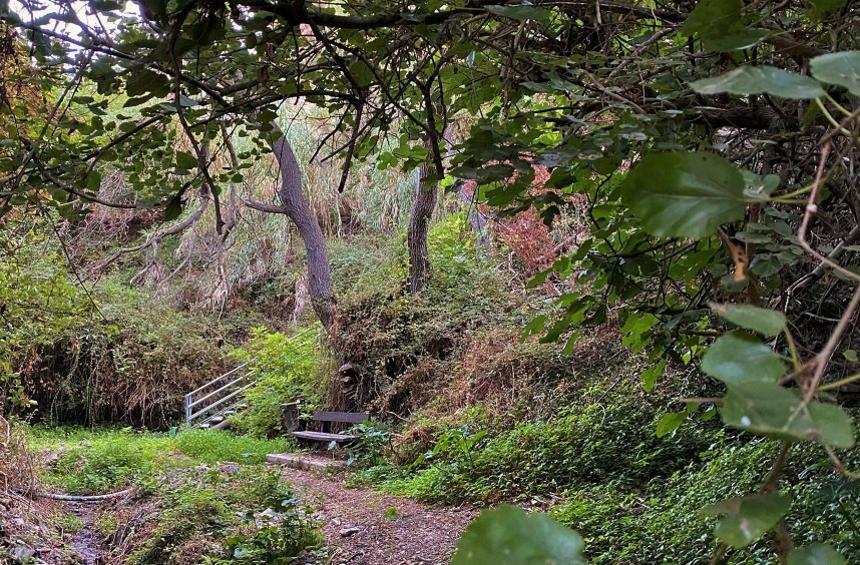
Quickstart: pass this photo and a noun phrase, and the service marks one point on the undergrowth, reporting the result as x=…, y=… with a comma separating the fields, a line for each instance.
x=663, y=522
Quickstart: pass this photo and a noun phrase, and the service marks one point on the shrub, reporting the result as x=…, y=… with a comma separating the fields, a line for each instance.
x=367, y=451
x=286, y=368
x=40, y=304
x=400, y=346
x=132, y=363
x=249, y=515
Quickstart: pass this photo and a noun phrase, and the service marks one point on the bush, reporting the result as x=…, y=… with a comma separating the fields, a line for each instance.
x=588, y=444
x=368, y=450
x=247, y=516
x=400, y=346
x=286, y=368
x=39, y=302
x=132, y=363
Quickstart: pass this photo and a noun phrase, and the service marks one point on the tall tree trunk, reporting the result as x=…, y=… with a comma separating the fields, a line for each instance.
x=296, y=207
x=426, y=193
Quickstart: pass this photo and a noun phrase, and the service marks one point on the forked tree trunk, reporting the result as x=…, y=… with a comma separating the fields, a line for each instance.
x=426, y=194
x=296, y=207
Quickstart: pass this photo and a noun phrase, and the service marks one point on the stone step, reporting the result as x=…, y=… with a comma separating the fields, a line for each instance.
x=305, y=462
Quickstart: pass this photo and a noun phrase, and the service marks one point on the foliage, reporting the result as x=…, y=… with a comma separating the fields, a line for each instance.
x=111, y=353
x=31, y=280
x=367, y=451
x=249, y=517
x=396, y=343
x=202, y=494
x=665, y=522
x=508, y=536
x=285, y=368
x=588, y=444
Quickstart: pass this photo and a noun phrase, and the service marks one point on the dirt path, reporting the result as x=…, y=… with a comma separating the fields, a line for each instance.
x=362, y=528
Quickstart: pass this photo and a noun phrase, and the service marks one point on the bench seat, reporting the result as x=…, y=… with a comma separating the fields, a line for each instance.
x=323, y=436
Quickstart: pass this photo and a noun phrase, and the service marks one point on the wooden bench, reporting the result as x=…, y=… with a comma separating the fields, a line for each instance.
x=325, y=420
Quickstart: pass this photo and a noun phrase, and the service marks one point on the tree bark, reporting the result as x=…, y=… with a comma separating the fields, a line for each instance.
x=296, y=207
x=426, y=194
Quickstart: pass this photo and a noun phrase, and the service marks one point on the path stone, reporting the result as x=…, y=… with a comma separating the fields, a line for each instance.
x=305, y=462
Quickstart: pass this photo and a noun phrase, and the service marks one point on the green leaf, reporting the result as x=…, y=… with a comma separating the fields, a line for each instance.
x=771, y=410
x=739, y=358
x=650, y=376
x=521, y=13
x=153, y=9
x=815, y=554
x=850, y=355
x=669, y=422
x=105, y=5
x=734, y=40
x=759, y=187
x=510, y=536
x=757, y=80
x=145, y=81
x=684, y=194
x=748, y=518
x=824, y=7
x=94, y=181
x=361, y=72
x=186, y=102
x=173, y=208
x=762, y=320
x=185, y=160
x=842, y=68
x=711, y=18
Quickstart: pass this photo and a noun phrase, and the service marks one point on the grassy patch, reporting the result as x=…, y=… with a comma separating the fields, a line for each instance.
x=105, y=460
x=203, y=494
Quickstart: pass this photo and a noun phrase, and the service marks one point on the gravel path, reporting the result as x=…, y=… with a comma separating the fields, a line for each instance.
x=362, y=529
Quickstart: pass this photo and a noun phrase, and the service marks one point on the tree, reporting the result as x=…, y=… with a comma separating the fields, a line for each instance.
x=423, y=205
x=293, y=204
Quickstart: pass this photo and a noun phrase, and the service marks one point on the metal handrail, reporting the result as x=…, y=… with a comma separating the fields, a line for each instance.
x=217, y=390
x=218, y=378
x=221, y=401
x=238, y=386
